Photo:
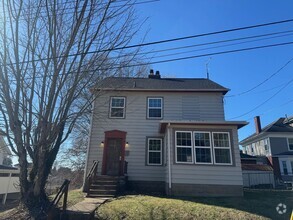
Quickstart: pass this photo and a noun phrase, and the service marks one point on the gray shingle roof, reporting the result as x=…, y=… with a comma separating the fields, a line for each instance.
x=279, y=125
x=162, y=84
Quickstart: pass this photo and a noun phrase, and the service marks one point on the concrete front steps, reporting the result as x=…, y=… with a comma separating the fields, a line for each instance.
x=106, y=186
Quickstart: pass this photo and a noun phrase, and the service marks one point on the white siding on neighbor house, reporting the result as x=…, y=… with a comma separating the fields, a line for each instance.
x=9, y=184
x=207, y=174
x=202, y=106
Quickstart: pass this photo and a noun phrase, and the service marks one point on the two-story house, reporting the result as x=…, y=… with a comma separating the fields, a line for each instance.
x=274, y=141
x=171, y=132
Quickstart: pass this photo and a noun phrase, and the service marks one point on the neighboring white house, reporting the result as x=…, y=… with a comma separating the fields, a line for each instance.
x=171, y=132
x=9, y=176
x=275, y=141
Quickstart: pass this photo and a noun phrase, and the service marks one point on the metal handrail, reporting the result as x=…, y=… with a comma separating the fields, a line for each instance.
x=91, y=175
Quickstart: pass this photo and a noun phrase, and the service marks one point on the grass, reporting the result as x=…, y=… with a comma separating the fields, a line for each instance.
x=254, y=205
x=13, y=212
x=74, y=196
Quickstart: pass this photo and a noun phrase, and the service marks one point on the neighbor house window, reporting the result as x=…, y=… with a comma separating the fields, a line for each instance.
x=183, y=151
x=155, y=108
x=154, y=151
x=292, y=167
x=290, y=144
x=285, y=169
x=203, y=148
x=117, y=107
x=222, y=148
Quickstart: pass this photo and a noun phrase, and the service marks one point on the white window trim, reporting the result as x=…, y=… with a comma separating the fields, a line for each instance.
x=210, y=147
x=227, y=148
x=288, y=143
x=191, y=147
x=117, y=97
x=148, y=108
x=283, y=170
x=161, y=152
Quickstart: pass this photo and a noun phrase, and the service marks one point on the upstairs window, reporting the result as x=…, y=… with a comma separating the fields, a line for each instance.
x=117, y=107
x=222, y=148
x=154, y=151
x=290, y=144
x=155, y=107
x=202, y=145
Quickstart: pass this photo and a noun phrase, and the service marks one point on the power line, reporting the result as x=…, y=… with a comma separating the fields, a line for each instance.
x=215, y=42
x=225, y=45
x=264, y=102
x=271, y=109
x=208, y=43
x=178, y=59
x=164, y=41
x=264, y=81
x=211, y=54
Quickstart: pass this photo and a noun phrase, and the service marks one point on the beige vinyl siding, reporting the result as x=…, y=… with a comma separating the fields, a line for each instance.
x=208, y=106
x=208, y=174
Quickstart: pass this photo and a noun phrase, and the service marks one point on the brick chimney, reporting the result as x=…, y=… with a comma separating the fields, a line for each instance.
x=257, y=124
x=156, y=76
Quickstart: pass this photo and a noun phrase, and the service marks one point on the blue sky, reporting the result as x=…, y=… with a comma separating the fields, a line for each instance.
x=237, y=71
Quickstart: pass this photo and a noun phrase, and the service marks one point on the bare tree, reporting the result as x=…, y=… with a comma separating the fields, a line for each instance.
x=51, y=52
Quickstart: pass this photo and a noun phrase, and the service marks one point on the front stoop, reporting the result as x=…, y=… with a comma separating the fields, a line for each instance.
x=85, y=210
x=106, y=186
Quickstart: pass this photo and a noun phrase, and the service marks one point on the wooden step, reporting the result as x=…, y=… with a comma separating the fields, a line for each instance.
x=104, y=186
x=102, y=191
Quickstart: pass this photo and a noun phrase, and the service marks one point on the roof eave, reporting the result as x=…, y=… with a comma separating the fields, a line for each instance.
x=164, y=123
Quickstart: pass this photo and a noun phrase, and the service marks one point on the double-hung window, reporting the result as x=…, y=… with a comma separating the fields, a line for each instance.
x=154, y=151
x=290, y=144
x=184, y=152
x=203, y=148
x=222, y=148
x=117, y=107
x=285, y=169
x=155, y=108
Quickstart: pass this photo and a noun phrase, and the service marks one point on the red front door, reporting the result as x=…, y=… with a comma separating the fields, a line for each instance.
x=114, y=152
x=114, y=156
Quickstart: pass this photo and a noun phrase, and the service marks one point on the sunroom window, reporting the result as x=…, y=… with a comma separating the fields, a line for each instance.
x=184, y=147
x=222, y=148
x=202, y=145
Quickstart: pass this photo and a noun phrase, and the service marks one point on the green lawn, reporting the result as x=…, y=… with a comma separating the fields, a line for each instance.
x=254, y=205
x=74, y=196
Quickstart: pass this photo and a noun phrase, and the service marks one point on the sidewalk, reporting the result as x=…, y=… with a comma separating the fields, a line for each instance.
x=85, y=209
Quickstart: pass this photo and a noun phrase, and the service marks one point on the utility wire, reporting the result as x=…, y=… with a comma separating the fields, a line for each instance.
x=225, y=45
x=165, y=41
x=176, y=59
x=214, y=42
x=264, y=81
x=264, y=102
x=271, y=109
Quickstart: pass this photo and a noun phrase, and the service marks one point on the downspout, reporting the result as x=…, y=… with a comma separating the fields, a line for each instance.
x=169, y=158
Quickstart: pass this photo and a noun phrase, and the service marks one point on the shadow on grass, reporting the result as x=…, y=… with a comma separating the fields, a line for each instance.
x=259, y=202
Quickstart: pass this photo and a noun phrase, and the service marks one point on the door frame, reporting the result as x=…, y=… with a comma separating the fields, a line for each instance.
x=109, y=135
